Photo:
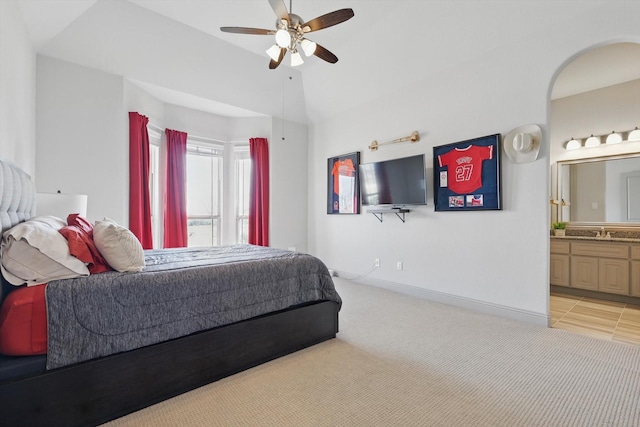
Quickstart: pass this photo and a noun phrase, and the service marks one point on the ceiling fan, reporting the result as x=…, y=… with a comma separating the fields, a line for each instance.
x=290, y=34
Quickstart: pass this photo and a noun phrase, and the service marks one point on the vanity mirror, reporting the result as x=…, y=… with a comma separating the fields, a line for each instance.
x=600, y=190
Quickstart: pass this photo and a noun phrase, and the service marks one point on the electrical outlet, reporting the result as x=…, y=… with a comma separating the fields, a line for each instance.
x=399, y=265
x=376, y=263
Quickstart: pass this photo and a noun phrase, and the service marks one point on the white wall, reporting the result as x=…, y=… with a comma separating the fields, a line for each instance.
x=288, y=187
x=150, y=48
x=83, y=139
x=596, y=112
x=17, y=89
x=138, y=100
x=124, y=39
x=82, y=134
x=496, y=260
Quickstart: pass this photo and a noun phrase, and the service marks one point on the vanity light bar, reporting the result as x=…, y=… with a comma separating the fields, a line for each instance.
x=610, y=139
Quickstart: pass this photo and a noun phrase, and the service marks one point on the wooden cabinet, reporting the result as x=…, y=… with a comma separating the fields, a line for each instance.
x=600, y=250
x=634, y=285
x=611, y=267
x=559, y=262
x=634, y=290
x=559, y=270
x=584, y=272
x=613, y=276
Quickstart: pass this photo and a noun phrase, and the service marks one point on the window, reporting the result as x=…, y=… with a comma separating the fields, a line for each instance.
x=243, y=184
x=155, y=191
x=204, y=195
x=218, y=183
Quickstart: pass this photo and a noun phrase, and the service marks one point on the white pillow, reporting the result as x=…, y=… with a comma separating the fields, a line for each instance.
x=119, y=246
x=34, y=252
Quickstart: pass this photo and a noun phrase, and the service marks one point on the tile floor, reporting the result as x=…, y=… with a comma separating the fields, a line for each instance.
x=608, y=320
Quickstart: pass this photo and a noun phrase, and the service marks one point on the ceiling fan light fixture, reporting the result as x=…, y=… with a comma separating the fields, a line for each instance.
x=308, y=47
x=290, y=30
x=283, y=38
x=296, y=58
x=274, y=52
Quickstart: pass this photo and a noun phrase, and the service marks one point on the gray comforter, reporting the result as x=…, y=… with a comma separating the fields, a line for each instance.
x=181, y=291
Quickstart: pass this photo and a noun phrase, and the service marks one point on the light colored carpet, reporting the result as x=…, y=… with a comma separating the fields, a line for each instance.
x=401, y=361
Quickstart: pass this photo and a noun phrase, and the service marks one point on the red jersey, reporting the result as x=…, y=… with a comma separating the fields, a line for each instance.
x=344, y=168
x=465, y=167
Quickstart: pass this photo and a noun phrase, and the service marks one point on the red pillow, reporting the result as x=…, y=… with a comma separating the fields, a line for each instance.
x=23, y=322
x=79, y=235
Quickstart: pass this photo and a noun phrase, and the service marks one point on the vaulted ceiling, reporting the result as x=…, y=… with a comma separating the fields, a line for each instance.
x=388, y=43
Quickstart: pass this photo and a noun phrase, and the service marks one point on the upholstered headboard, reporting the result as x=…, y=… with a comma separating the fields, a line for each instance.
x=17, y=195
x=17, y=202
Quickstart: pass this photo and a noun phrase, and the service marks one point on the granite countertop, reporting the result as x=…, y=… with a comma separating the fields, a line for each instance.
x=599, y=239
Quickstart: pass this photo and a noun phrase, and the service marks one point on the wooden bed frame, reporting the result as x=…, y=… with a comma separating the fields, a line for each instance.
x=101, y=390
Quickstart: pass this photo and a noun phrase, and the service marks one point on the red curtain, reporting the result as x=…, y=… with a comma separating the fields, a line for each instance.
x=139, y=199
x=175, y=207
x=259, y=193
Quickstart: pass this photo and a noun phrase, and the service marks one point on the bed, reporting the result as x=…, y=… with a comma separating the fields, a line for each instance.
x=171, y=349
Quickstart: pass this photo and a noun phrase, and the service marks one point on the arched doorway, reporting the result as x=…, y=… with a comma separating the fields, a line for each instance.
x=596, y=92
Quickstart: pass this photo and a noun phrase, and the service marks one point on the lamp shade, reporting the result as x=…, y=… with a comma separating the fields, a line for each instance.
x=296, y=58
x=573, y=144
x=614, y=138
x=283, y=38
x=274, y=52
x=61, y=205
x=308, y=47
x=634, y=135
x=592, y=141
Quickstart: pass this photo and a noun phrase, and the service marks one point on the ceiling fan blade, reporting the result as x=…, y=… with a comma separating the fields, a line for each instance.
x=245, y=30
x=274, y=64
x=280, y=9
x=328, y=20
x=323, y=53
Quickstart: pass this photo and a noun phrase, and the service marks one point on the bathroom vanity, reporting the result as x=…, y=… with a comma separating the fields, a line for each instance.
x=607, y=265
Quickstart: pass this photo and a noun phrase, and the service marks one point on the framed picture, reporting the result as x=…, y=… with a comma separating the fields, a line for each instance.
x=467, y=175
x=343, y=184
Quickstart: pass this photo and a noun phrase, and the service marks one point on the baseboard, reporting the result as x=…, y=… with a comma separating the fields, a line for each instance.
x=454, y=300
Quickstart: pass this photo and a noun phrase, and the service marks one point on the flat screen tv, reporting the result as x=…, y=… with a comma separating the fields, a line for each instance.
x=395, y=182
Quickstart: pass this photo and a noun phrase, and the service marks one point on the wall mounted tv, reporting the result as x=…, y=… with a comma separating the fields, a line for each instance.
x=395, y=182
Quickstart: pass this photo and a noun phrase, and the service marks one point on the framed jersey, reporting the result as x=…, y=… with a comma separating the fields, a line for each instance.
x=467, y=175
x=343, y=184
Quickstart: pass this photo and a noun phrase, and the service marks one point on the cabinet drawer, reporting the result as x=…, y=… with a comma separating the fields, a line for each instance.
x=608, y=250
x=560, y=247
x=635, y=251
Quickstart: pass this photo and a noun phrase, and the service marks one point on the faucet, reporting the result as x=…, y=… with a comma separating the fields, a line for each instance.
x=603, y=234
